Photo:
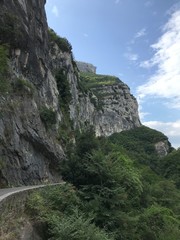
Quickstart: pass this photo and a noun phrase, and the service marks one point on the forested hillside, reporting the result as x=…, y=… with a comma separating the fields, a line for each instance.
x=117, y=188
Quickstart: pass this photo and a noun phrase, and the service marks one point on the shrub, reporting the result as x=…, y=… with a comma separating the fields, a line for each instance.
x=21, y=86
x=156, y=221
x=74, y=227
x=62, y=43
x=48, y=116
x=4, y=82
x=63, y=89
x=170, y=166
x=10, y=31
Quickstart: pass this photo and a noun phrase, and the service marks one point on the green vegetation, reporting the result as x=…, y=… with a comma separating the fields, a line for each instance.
x=4, y=81
x=140, y=144
x=62, y=43
x=65, y=128
x=170, y=167
x=59, y=208
x=92, y=80
x=63, y=89
x=48, y=116
x=10, y=31
x=113, y=194
x=2, y=163
x=22, y=86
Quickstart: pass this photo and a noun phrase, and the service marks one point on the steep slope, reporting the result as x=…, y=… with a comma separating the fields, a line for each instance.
x=42, y=101
x=29, y=153
x=115, y=108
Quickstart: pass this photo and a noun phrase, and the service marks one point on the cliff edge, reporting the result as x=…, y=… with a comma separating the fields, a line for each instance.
x=44, y=97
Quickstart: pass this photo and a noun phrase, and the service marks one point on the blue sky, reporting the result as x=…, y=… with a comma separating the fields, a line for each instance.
x=138, y=41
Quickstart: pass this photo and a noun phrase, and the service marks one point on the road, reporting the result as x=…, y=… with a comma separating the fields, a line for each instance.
x=5, y=192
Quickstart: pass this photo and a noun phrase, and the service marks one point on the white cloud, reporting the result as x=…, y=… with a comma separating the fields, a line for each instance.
x=55, y=11
x=174, y=8
x=166, y=80
x=141, y=33
x=117, y=1
x=170, y=129
x=131, y=56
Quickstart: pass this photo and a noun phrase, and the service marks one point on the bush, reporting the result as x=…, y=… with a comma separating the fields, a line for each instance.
x=63, y=89
x=170, y=166
x=75, y=227
x=4, y=81
x=10, y=31
x=48, y=116
x=156, y=222
x=58, y=208
x=21, y=86
x=62, y=43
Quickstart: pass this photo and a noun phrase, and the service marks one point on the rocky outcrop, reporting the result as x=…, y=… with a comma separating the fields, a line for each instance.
x=162, y=148
x=86, y=67
x=112, y=109
x=30, y=150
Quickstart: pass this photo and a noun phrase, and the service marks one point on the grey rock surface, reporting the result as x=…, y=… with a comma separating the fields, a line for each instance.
x=86, y=67
x=31, y=153
x=162, y=148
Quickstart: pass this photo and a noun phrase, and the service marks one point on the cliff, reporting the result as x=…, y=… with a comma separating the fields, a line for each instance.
x=44, y=98
x=86, y=67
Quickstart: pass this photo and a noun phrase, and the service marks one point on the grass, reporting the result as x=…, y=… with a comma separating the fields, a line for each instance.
x=92, y=80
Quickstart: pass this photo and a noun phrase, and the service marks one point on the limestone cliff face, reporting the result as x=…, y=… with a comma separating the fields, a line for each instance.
x=115, y=110
x=30, y=151
x=86, y=67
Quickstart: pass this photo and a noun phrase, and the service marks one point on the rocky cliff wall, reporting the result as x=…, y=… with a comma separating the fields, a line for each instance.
x=114, y=109
x=34, y=108
x=29, y=152
x=86, y=67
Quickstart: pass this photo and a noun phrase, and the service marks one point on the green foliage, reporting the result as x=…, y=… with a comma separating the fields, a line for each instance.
x=115, y=196
x=140, y=144
x=156, y=222
x=63, y=89
x=92, y=80
x=48, y=116
x=4, y=81
x=2, y=163
x=62, y=43
x=85, y=143
x=10, y=30
x=170, y=166
x=65, y=132
x=164, y=193
x=22, y=86
x=57, y=198
x=75, y=227
x=59, y=209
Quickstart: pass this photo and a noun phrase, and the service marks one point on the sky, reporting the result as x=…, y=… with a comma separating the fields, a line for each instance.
x=135, y=40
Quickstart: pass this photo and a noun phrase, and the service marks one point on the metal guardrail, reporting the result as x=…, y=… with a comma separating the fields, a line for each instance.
x=6, y=192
